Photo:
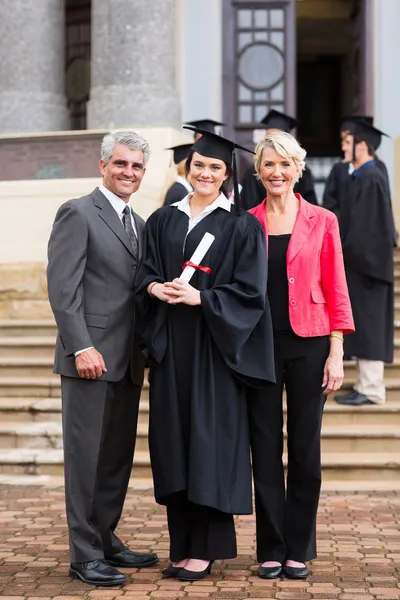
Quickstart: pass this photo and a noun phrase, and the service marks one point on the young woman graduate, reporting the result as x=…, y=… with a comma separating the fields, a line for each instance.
x=205, y=342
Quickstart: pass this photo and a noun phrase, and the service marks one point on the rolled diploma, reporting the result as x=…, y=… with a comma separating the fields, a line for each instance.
x=198, y=256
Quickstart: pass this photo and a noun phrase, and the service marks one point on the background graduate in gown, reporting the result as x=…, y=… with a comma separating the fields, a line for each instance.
x=338, y=181
x=181, y=187
x=205, y=341
x=253, y=191
x=367, y=230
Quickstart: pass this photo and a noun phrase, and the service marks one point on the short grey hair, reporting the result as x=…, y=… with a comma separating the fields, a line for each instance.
x=285, y=145
x=128, y=138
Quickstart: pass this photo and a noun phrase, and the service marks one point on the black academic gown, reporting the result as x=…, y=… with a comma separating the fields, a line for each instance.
x=201, y=357
x=367, y=234
x=176, y=192
x=337, y=184
x=253, y=192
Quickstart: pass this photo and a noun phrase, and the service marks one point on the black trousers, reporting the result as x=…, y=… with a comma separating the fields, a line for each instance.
x=99, y=432
x=197, y=531
x=286, y=520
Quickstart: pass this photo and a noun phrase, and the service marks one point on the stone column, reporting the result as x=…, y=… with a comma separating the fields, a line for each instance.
x=32, y=66
x=133, y=64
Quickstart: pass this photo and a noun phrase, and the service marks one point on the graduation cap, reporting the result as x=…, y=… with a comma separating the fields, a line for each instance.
x=365, y=132
x=347, y=123
x=205, y=124
x=181, y=152
x=277, y=120
x=215, y=146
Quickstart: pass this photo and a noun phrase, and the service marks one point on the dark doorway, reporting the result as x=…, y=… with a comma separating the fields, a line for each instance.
x=319, y=106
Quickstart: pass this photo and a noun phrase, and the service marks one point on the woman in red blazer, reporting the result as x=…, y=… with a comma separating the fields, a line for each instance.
x=311, y=311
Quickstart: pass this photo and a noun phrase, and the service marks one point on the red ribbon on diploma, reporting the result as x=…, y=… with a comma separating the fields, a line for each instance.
x=189, y=263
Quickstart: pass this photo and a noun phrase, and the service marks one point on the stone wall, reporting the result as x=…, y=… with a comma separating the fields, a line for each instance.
x=23, y=291
x=54, y=156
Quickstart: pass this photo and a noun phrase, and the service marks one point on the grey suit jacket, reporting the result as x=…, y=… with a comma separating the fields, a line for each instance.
x=90, y=275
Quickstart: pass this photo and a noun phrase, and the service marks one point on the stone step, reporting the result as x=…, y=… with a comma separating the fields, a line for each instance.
x=342, y=438
x=392, y=370
x=21, y=347
x=343, y=466
x=370, y=414
x=26, y=367
x=27, y=327
x=30, y=410
x=392, y=388
x=48, y=434
x=146, y=484
x=26, y=461
x=42, y=387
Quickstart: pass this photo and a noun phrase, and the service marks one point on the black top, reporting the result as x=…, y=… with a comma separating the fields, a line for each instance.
x=277, y=287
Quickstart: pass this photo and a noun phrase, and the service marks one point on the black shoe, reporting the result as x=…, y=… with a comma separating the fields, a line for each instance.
x=270, y=572
x=96, y=572
x=186, y=575
x=127, y=559
x=343, y=399
x=171, y=571
x=296, y=572
x=355, y=399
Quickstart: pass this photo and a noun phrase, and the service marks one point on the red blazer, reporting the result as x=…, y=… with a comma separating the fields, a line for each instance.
x=318, y=297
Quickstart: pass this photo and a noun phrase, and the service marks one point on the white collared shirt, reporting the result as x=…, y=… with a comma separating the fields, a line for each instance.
x=118, y=205
x=185, y=183
x=184, y=205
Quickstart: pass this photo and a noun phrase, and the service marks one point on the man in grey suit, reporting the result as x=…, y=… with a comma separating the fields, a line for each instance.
x=93, y=253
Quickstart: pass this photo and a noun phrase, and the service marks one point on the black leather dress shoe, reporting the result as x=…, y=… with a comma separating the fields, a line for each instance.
x=128, y=559
x=187, y=575
x=270, y=572
x=296, y=572
x=96, y=572
x=354, y=399
x=171, y=571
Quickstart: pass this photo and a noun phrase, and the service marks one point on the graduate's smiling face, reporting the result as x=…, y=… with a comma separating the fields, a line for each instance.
x=207, y=174
x=347, y=148
x=278, y=173
x=123, y=173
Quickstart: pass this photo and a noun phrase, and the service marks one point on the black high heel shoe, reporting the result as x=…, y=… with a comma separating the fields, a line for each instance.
x=171, y=571
x=186, y=575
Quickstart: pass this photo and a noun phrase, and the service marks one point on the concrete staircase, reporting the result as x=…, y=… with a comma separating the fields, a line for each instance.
x=360, y=445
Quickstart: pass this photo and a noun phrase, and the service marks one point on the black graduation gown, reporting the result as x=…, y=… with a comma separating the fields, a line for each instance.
x=201, y=357
x=367, y=234
x=176, y=192
x=337, y=188
x=253, y=192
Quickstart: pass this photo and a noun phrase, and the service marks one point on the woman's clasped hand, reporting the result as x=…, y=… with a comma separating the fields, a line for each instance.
x=177, y=292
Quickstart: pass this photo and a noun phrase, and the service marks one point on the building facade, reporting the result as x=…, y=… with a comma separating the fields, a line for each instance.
x=71, y=70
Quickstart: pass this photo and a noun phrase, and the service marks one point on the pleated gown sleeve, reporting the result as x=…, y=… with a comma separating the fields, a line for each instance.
x=242, y=335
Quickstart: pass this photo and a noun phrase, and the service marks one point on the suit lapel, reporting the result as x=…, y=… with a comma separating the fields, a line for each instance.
x=110, y=217
x=303, y=226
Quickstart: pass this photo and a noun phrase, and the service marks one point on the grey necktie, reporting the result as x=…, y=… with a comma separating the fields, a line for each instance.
x=126, y=220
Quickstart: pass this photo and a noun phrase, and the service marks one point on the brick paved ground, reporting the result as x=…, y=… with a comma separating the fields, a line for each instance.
x=359, y=553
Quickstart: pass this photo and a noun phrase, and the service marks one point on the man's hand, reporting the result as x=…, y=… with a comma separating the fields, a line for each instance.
x=90, y=364
x=178, y=291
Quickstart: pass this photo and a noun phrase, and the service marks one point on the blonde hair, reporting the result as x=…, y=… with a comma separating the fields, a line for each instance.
x=285, y=145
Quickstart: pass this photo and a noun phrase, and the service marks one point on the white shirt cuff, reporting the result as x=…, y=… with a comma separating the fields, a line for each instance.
x=84, y=350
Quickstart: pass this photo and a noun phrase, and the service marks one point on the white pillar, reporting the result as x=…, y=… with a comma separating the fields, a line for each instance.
x=385, y=21
x=200, y=66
